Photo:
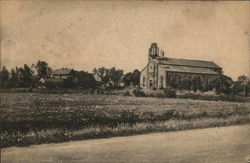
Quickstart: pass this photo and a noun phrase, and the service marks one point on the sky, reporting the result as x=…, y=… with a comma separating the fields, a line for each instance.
x=87, y=34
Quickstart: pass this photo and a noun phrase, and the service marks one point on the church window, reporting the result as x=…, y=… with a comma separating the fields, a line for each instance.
x=151, y=68
x=143, y=81
x=179, y=79
x=161, y=82
x=151, y=84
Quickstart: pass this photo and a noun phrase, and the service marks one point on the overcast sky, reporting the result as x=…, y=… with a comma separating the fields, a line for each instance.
x=83, y=35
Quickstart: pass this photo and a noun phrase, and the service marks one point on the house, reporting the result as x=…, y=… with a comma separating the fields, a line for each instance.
x=63, y=73
x=57, y=78
x=161, y=72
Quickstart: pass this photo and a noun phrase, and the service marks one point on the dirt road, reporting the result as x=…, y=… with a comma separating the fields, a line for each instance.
x=225, y=144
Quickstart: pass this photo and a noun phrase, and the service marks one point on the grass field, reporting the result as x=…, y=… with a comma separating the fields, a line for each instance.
x=29, y=118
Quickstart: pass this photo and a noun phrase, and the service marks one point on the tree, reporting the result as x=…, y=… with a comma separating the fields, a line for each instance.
x=242, y=84
x=136, y=77
x=127, y=79
x=196, y=83
x=4, y=77
x=42, y=68
x=222, y=85
x=243, y=79
x=132, y=77
x=85, y=79
x=236, y=88
x=13, y=82
x=102, y=73
x=184, y=84
x=69, y=83
x=25, y=76
x=115, y=76
x=173, y=81
x=108, y=76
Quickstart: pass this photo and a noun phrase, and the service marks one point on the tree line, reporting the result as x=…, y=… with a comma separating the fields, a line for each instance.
x=222, y=84
x=30, y=76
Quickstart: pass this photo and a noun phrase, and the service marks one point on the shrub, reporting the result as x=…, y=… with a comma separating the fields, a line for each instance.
x=126, y=93
x=221, y=97
x=168, y=92
x=138, y=93
x=154, y=93
x=69, y=83
x=52, y=84
x=91, y=91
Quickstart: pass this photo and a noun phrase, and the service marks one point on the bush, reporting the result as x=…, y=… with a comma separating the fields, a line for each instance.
x=138, y=93
x=52, y=84
x=91, y=91
x=166, y=93
x=69, y=83
x=126, y=93
x=221, y=97
x=170, y=93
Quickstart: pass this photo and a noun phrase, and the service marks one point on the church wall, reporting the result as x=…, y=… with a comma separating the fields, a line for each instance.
x=161, y=78
x=178, y=77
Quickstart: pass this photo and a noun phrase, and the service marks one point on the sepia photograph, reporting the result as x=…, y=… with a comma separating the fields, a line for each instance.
x=123, y=81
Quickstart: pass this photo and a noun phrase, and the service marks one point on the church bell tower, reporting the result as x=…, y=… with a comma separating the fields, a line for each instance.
x=153, y=66
x=153, y=51
x=152, y=70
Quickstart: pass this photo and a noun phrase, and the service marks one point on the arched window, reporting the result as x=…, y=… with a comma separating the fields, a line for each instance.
x=179, y=79
x=150, y=84
x=151, y=68
x=161, y=82
x=143, y=81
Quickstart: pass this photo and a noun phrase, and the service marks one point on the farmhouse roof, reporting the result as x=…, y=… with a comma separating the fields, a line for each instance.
x=187, y=62
x=62, y=71
x=186, y=69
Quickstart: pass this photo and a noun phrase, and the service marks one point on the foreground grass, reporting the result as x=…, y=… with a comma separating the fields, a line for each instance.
x=45, y=118
x=60, y=135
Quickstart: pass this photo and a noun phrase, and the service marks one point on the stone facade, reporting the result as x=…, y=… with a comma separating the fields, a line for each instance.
x=161, y=72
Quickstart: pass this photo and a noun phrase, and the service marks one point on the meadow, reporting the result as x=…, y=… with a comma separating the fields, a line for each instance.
x=33, y=118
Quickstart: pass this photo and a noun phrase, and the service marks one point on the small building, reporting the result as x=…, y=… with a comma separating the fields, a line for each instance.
x=160, y=72
x=63, y=73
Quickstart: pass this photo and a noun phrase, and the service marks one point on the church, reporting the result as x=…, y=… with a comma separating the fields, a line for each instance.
x=162, y=72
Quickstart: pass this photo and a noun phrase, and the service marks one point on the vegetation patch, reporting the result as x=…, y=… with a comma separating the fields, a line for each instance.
x=29, y=118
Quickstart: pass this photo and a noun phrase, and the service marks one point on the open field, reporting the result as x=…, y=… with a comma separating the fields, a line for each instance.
x=29, y=118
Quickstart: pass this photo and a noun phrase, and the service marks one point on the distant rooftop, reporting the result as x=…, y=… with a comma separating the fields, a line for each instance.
x=62, y=71
x=186, y=69
x=187, y=62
